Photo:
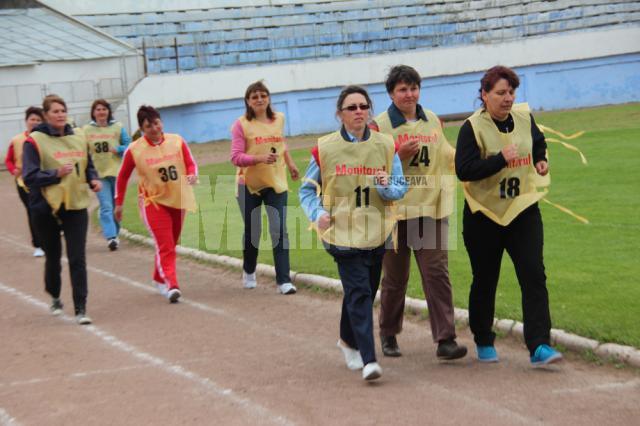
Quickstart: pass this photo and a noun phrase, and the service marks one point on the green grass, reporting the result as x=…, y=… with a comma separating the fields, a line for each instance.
x=592, y=269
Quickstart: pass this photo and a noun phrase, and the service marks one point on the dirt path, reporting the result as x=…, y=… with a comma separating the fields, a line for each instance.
x=231, y=356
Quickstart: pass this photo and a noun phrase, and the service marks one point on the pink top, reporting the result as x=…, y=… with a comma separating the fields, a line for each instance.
x=239, y=156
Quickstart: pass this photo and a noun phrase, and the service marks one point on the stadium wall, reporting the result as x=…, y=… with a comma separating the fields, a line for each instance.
x=557, y=72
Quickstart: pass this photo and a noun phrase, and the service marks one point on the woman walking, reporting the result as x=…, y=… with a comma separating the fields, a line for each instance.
x=57, y=168
x=500, y=153
x=259, y=152
x=107, y=140
x=13, y=161
x=360, y=175
x=166, y=171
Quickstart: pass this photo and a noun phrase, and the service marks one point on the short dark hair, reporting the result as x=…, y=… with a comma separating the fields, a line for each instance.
x=495, y=74
x=33, y=110
x=49, y=100
x=401, y=74
x=148, y=113
x=349, y=90
x=258, y=86
x=105, y=104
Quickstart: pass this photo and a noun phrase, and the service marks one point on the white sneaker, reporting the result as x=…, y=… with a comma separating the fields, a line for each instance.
x=162, y=287
x=287, y=288
x=83, y=319
x=372, y=371
x=352, y=356
x=173, y=295
x=249, y=280
x=38, y=252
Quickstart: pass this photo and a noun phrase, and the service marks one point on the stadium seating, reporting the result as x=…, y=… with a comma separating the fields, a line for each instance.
x=237, y=36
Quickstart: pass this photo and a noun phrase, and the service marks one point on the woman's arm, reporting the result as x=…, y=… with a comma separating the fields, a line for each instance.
x=33, y=176
x=126, y=168
x=125, y=140
x=396, y=186
x=239, y=157
x=308, y=193
x=470, y=166
x=9, y=160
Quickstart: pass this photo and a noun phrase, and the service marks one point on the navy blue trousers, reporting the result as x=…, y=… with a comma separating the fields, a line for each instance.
x=360, y=272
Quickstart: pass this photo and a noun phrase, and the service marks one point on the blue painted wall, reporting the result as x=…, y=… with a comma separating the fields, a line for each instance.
x=575, y=84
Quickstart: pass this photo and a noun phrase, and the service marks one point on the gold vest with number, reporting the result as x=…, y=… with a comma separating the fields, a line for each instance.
x=101, y=140
x=264, y=138
x=503, y=196
x=429, y=174
x=18, y=143
x=360, y=218
x=72, y=191
x=162, y=173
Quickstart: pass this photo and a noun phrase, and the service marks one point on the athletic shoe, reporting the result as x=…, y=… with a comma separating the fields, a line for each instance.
x=112, y=243
x=352, y=356
x=390, y=346
x=372, y=371
x=487, y=354
x=449, y=349
x=287, y=288
x=38, y=252
x=173, y=295
x=544, y=355
x=162, y=287
x=56, y=307
x=82, y=318
x=249, y=280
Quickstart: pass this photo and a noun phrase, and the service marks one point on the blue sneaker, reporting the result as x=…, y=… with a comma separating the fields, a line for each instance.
x=487, y=354
x=544, y=355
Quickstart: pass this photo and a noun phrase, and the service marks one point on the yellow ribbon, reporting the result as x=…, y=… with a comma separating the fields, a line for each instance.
x=567, y=211
x=565, y=137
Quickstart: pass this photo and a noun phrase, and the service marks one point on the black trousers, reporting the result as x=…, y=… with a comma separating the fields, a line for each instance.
x=251, y=209
x=360, y=272
x=24, y=197
x=486, y=241
x=73, y=223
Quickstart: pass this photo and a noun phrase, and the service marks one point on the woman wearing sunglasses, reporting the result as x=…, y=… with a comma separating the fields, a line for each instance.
x=359, y=175
x=259, y=152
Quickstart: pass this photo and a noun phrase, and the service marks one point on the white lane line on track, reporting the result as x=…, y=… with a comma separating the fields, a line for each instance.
x=6, y=419
x=251, y=408
x=613, y=386
x=77, y=375
x=201, y=306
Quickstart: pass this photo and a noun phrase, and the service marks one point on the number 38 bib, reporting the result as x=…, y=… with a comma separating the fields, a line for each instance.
x=360, y=218
x=162, y=173
x=503, y=196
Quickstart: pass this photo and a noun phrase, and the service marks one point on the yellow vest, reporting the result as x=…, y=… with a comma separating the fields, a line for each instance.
x=264, y=138
x=72, y=191
x=503, y=196
x=162, y=173
x=101, y=140
x=429, y=174
x=18, y=142
x=360, y=218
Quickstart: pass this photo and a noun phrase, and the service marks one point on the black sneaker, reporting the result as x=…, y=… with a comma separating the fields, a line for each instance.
x=112, y=244
x=390, y=346
x=56, y=307
x=449, y=349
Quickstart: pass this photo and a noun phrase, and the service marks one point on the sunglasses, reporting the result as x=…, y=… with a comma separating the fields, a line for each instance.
x=363, y=107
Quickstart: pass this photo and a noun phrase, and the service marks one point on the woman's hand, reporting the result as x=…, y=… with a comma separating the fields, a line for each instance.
x=117, y=213
x=17, y=171
x=382, y=178
x=510, y=152
x=64, y=170
x=113, y=150
x=408, y=149
x=542, y=167
x=192, y=179
x=324, y=222
x=294, y=172
x=96, y=185
x=267, y=158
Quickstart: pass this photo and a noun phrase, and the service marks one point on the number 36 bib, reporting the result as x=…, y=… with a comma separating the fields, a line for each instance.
x=162, y=173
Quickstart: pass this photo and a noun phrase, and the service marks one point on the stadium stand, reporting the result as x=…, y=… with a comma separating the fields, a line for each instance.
x=188, y=40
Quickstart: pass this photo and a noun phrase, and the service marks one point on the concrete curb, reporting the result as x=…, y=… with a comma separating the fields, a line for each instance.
x=605, y=351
